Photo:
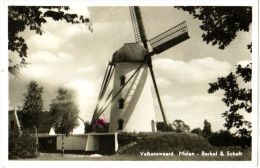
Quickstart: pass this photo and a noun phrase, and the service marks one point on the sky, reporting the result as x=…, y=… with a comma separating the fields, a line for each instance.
x=73, y=57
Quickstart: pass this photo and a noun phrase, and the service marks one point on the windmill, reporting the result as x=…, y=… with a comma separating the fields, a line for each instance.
x=131, y=98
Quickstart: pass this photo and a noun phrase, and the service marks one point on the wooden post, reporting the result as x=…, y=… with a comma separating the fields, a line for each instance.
x=62, y=148
x=36, y=140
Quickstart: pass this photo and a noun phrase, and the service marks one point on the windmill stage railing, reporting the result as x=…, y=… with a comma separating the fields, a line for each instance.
x=170, y=38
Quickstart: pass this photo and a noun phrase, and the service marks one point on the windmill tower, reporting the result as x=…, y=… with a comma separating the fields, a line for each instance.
x=131, y=98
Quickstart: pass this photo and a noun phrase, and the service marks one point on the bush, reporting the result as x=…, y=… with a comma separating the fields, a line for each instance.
x=163, y=127
x=225, y=138
x=21, y=146
x=99, y=126
x=222, y=138
x=197, y=131
x=244, y=141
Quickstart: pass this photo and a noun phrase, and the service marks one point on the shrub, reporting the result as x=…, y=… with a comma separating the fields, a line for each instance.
x=225, y=138
x=163, y=127
x=99, y=126
x=196, y=131
x=222, y=138
x=21, y=146
x=244, y=141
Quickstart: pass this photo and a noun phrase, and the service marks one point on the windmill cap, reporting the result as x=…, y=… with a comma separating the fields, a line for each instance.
x=130, y=52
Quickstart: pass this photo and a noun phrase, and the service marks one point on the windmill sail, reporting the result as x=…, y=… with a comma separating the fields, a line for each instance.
x=138, y=26
x=135, y=25
x=169, y=38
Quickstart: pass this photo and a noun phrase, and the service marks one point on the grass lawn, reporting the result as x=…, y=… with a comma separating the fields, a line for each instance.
x=246, y=156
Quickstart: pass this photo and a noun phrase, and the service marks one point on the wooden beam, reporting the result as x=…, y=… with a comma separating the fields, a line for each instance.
x=156, y=90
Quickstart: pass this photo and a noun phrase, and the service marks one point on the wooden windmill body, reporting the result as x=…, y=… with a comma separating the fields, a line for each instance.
x=131, y=99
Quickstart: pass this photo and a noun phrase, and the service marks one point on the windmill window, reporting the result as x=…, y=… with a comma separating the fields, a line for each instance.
x=122, y=80
x=121, y=103
x=120, y=124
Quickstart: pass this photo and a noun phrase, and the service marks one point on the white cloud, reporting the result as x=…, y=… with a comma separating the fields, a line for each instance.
x=190, y=101
x=39, y=72
x=195, y=109
x=196, y=70
x=80, y=10
x=72, y=30
x=163, y=82
x=85, y=94
x=85, y=69
x=43, y=56
x=244, y=62
x=64, y=56
x=50, y=68
x=102, y=26
x=196, y=100
x=46, y=41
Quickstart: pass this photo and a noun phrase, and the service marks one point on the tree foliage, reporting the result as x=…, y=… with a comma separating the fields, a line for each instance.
x=33, y=17
x=64, y=112
x=225, y=138
x=33, y=105
x=220, y=25
x=100, y=125
x=163, y=127
x=196, y=131
x=21, y=146
x=206, y=129
x=236, y=98
x=180, y=126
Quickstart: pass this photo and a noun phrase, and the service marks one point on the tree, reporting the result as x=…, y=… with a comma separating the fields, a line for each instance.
x=206, y=129
x=196, y=131
x=33, y=17
x=237, y=99
x=226, y=138
x=64, y=112
x=87, y=127
x=220, y=26
x=33, y=105
x=163, y=127
x=100, y=125
x=222, y=138
x=180, y=126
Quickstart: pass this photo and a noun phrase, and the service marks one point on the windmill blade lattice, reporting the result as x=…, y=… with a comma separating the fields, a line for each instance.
x=170, y=38
x=135, y=25
x=138, y=26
